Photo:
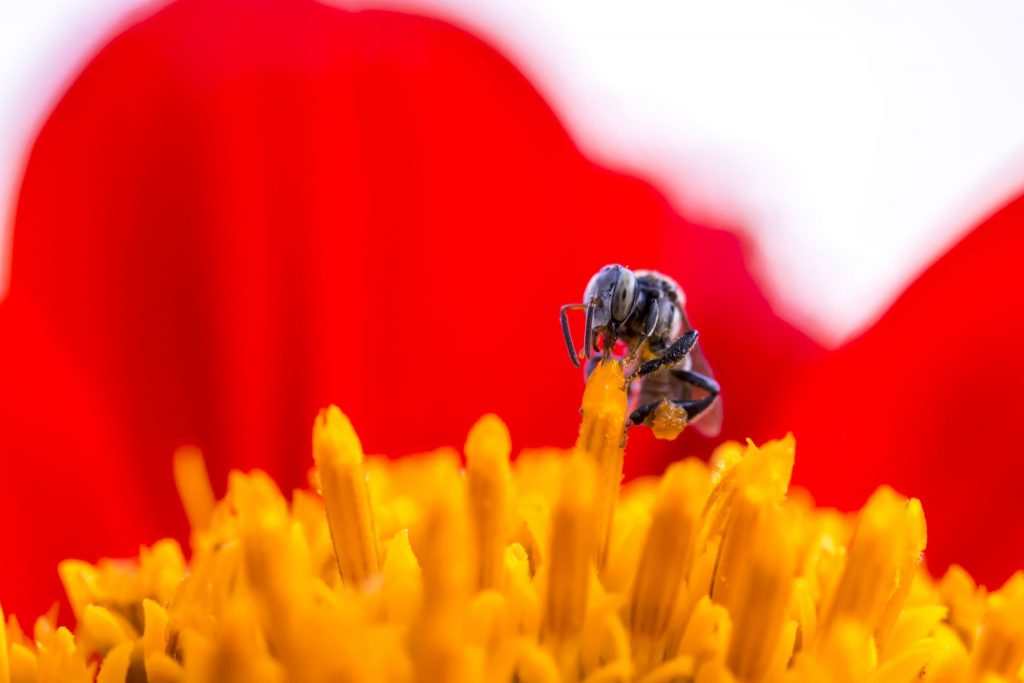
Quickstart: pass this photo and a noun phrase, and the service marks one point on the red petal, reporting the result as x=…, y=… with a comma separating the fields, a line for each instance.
x=929, y=400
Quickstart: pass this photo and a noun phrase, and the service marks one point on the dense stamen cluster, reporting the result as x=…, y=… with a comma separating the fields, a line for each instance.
x=540, y=571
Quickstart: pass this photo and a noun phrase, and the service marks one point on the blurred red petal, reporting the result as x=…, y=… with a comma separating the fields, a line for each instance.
x=70, y=484
x=242, y=211
x=929, y=400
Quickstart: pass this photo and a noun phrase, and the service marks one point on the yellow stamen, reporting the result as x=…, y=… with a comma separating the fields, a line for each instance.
x=232, y=657
x=965, y=601
x=79, y=579
x=665, y=559
x=908, y=664
x=102, y=629
x=413, y=570
x=915, y=538
x=59, y=660
x=1000, y=647
x=339, y=459
x=889, y=528
x=24, y=664
x=767, y=469
x=401, y=581
x=707, y=632
x=914, y=624
x=159, y=666
x=5, y=661
x=602, y=440
x=536, y=666
x=845, y=653
x=490, y=630
x=680, y=668
x=487, y=470
x=523, y=602
x=448, y=577
x=570, y=554
x=193, y=483
x=804, y=611
x=115, y=665
x=754, y=582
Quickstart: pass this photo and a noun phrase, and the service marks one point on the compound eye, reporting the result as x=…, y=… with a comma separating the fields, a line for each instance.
x=624, y=295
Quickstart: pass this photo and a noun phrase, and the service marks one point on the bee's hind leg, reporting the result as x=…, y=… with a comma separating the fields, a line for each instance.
x=694, y=408
x=640, y=415
x=698, y=380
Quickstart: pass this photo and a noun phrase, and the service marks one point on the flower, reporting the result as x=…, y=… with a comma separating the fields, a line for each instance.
x=542, y=570
x=240, y=211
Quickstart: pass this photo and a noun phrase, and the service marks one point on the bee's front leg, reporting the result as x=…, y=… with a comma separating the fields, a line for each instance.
x=672, y=355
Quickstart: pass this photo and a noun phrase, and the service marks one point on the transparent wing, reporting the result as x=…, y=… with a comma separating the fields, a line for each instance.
x=709, y=423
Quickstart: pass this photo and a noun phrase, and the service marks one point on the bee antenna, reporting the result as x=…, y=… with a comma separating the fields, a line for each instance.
x=574, y=355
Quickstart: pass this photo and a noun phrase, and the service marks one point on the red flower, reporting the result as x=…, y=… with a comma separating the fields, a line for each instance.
x=241, y=211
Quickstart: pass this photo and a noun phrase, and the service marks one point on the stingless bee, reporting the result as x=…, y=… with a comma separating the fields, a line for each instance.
x=644, y=310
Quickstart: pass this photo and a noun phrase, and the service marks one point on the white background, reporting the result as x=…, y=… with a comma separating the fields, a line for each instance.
x=856, y=139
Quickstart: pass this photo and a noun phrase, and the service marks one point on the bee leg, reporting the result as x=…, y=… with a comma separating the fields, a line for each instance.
x=643, y=412
x=672, y=355
x=694, y=408
x=698, y=380
x=569, y=344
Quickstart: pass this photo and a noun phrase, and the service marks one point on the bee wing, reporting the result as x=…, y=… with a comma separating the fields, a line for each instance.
x=710, y=421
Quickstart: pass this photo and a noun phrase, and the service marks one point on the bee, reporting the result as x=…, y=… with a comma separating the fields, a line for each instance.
x=645, y=311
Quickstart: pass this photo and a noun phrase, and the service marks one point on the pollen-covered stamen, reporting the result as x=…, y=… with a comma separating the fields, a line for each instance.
x=159, y=665
x=339, y=459
x=748, y=583
x=571, y=553
x=487, y=471
x=601, y=440
x=273, y=573
x=999, y=650
x=80, y=581
x=733, y=468
x=5, y=664
x=757, y=590
x=750, y=510
x=193, y=484
x=438, y=635
x=888, y=530
x=665, y=559
x=915, y=537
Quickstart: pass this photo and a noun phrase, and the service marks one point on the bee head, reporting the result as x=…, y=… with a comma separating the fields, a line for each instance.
x=610, y=297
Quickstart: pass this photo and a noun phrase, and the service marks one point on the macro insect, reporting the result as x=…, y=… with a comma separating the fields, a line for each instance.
x=645, y=311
